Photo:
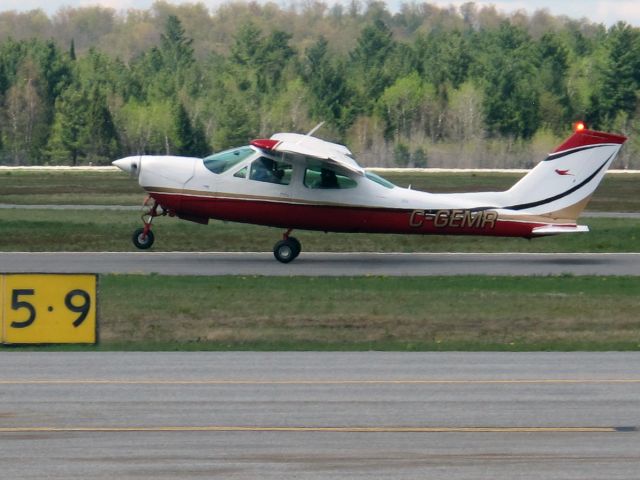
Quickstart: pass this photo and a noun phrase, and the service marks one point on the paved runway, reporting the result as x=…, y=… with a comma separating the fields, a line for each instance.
x=330, y=264
x=320, y=415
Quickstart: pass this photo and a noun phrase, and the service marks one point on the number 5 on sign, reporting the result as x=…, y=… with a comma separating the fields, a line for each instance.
x=49, y=308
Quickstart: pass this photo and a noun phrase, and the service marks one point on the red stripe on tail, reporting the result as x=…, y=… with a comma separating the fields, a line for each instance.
x=585, y=138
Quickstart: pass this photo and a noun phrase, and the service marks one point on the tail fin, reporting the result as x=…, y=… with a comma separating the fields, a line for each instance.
x=560, y=186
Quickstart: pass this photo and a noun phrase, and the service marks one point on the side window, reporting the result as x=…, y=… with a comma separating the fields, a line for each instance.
x=271, y=171
x=317, y=177
x=242, y=173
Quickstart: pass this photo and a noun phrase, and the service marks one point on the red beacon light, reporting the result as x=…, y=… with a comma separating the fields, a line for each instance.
x=579, y=127
x=264, y=143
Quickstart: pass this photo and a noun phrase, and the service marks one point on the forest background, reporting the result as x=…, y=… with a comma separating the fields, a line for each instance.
x=425, y=86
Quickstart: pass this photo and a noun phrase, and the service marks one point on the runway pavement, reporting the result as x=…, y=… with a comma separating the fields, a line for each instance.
x=312, y=415
x=330, y=264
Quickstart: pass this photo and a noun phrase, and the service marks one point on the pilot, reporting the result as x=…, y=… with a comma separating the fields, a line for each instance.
x=263, y=171
x=328, y=179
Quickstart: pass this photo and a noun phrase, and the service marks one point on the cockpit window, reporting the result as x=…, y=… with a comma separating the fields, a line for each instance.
x=223, y=161
x=271, y=171
x=379, y=180
x=318, y=177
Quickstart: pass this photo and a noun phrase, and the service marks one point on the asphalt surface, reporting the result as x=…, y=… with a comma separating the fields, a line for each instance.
x=330, y=264
x=311, y=415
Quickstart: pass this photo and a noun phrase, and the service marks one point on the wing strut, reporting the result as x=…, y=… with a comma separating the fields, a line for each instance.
x=314, y=129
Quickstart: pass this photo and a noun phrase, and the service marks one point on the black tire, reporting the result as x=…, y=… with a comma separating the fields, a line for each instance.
x=141, y=241
x=297, y=246
x=285, y=250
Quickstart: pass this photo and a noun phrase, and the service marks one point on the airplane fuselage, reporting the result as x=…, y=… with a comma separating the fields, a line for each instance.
x=195, y=193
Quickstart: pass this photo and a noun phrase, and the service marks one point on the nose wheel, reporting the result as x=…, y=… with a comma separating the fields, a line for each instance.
x=143, y=238
x=287, y=249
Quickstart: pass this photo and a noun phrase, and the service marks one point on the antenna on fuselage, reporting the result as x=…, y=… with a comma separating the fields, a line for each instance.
x=314, y=129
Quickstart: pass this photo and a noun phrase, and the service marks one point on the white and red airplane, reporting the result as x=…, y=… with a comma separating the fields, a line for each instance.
x=295, y=181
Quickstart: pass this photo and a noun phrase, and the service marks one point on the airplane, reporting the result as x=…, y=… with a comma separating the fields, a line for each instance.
x=296, y=181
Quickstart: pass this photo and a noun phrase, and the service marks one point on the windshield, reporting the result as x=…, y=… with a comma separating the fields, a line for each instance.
x=223, y=161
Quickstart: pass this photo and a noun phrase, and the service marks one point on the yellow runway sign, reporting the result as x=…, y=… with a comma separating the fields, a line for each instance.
x=48, y=308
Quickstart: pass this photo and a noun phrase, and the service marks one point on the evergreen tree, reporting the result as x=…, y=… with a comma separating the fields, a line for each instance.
x=72, y=50
x=332, y=98
x=189, y=139
x=67, y=141
x=246, y=46
x=374, y=46
x=620, y=77
x=100, y=136
x=175, y=47
x=444, y=57
x=235, y=125
x=511, y=101
x=556, y=110
x=167, y=71
x=4, y=81
x=245, y=53
x=273, y=56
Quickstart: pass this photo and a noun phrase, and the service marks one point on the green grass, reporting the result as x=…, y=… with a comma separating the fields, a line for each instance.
x=619, y=192
x=77, y=230
x=68, y=188
x=369, y=313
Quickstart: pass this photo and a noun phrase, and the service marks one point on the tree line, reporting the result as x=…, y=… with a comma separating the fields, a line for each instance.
x=425, y=86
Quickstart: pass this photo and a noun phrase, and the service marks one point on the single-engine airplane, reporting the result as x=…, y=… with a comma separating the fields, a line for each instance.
x=294, y=181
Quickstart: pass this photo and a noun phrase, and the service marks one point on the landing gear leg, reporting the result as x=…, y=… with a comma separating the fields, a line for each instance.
x=143, y=238
x=287, y=249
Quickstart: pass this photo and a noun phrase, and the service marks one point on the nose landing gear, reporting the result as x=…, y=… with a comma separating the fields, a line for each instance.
x=287, y=249
x=143, y=238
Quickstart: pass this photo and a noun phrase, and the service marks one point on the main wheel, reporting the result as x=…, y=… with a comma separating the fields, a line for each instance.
x=286, y=250
x=142, y=241
x=296, y=245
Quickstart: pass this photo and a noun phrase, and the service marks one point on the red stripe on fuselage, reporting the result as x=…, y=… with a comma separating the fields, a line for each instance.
x=344, y=218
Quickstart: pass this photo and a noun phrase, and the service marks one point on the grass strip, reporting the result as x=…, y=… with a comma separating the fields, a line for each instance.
x=472, y=313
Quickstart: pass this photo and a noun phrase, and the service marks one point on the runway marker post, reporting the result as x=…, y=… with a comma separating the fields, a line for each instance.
x=48, y=308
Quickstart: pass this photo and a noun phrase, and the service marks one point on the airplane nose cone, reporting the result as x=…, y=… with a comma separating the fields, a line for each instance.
x=131, y=165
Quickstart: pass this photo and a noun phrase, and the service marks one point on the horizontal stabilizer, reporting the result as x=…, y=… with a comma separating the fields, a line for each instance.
x=557, y=229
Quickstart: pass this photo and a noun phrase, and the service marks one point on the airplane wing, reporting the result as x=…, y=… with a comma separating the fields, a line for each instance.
x=312, y=150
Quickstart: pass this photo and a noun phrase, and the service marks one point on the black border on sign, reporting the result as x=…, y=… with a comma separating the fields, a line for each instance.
x=97, y=329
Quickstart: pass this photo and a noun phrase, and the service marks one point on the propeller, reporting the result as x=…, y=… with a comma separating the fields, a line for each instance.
x=131, y=165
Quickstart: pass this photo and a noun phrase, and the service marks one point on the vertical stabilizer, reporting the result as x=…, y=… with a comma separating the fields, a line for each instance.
x=561, y=185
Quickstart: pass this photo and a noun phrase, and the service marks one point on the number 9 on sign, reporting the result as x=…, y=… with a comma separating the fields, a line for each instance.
x=48, y=308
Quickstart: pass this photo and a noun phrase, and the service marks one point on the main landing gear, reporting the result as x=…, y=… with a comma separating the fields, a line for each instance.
x=143, y=237
x=287, y=249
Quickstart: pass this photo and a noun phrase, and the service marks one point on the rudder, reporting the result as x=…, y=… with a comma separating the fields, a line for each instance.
x=561, y=185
